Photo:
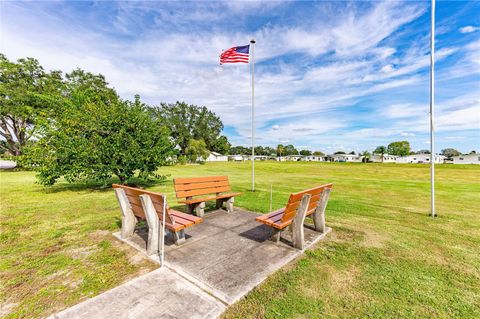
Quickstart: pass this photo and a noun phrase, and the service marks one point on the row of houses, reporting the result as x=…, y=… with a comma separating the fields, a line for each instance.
x=409, y=159
x=351, y=158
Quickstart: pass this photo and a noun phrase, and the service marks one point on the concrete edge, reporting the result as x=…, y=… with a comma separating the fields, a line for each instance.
x=107, y=292
x=279, y=265
x=215, y=293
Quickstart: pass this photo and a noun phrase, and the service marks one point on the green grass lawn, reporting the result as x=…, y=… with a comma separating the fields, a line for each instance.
x=386, y=258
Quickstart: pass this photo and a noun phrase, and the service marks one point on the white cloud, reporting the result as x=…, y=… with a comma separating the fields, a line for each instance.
x=468, y=29
x=407, y=134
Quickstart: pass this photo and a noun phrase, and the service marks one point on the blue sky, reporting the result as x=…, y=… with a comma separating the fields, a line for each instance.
x=329, y=75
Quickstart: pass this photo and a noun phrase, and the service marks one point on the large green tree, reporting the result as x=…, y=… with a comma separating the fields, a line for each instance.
x=399, y=148
x=196, y=150
x=280, y=150
x=381, y=150
x=450, y=152
x=240, y=150
x=365, y=156
x=189, y=122
x=290, y=150
x=305, y=152
x=27, y=95
x=96, y=138
x=221, y=145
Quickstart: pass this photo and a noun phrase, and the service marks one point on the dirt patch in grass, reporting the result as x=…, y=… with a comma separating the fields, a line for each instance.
x=82, y=253
x=343, y=281
x=6, y=308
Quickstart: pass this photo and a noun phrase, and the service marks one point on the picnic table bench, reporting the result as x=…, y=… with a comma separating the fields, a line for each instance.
x=312, y=201
x=209, y=188
x=138, y=204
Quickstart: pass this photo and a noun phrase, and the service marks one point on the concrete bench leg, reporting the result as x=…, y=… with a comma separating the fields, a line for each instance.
x=276, y=234
x=179, y=237
x=229, y=204
x=154, y=226
x=200, y=209
x=128, y=218
x=298, y=234
x=319, y=214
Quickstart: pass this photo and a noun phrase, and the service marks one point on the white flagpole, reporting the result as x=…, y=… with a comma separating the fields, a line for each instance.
x=162, y=240
x=432, y=100
x=252, y=54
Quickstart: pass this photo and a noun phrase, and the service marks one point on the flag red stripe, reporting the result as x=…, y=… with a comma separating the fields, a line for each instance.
x=232, y=56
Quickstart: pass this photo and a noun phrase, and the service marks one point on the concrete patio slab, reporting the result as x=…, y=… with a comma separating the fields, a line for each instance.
x=159, y=294
x=228, y=254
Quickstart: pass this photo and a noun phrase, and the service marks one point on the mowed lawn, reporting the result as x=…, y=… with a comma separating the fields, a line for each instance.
x=385, y=258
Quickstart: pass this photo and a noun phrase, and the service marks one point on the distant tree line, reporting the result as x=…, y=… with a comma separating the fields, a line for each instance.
x=280, y=150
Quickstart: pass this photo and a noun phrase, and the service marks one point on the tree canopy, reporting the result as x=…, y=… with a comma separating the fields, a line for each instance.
x=221, y=145
x=380, y=150
x=189, y=122
x=289, y=150
x=27, y=94
x=450, y=152
x=96, y=138
x=240, y=150
x=196, y=150
x=399, y=148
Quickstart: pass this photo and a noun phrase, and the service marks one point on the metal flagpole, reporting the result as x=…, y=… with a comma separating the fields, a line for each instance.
x=162, y=240
x=432, y=90
x=252, y=54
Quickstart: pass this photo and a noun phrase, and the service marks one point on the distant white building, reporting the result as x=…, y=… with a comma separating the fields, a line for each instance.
x=387, y=158
x=467, y=159
x=420, y=159
x=7, y=164
x=216, y=157
x=236, y=158
x=289, y=158
x=351, y=158
x=257, y=157
x=313, y=158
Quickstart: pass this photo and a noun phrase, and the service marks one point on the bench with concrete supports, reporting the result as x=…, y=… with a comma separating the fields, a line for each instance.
x=215, y=187
x=138, y=204
x=300, y=205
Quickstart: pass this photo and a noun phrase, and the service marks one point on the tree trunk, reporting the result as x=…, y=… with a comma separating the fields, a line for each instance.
x=121, y=178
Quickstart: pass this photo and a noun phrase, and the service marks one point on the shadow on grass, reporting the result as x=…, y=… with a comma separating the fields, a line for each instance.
x=102, y=186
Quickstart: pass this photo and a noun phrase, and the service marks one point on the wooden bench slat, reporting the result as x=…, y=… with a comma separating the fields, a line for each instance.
x=312, y=191
x=184, y=222
x=278, y=212
x=205, y=199
x=190, y=180
x=203, y=191
x=137, y=210
x=191, y=218
x=187, y=187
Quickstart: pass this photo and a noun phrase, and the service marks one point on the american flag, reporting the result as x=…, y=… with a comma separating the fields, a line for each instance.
x=235, y=55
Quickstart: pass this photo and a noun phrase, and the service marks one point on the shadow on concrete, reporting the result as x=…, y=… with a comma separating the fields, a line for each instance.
x=259, y=234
